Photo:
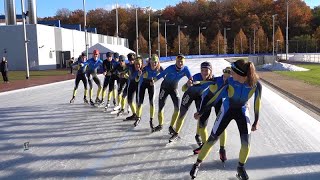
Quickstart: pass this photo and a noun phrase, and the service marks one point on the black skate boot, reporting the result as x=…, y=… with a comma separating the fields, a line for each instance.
x=120, y=112
x=151, y=124
x=174, y=137
x=98, y=100
x=194, y=171
x=107, y=105
x=242, y=174
x=132, y=118
x=72, y=100
x=197, y=150
x=91, y=102
x=137, y=122
x=223, y=156
x=114, y=103
x=85, y=101
x=171, y=130
x=101, y=102
x=198, y=140
x=157, y=128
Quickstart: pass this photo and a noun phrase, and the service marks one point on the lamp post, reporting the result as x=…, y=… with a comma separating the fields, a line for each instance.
x=254, y=40
x=25, y=39
x=117, y=24
x=149, y=33
x=159, y=36
x=273, y=19
x=287, y=31
x=179, y=27
x=85, y=27
x=165, y=35
x=277, y=48
x=225, y=39
x=200, y=28
x=137, y=34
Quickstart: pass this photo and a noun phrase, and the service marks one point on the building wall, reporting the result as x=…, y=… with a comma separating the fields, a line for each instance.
x=12, y=46
x=46, y=45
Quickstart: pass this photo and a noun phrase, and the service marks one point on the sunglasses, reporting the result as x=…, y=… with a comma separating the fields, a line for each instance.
x=228, y=71
x=96, y=54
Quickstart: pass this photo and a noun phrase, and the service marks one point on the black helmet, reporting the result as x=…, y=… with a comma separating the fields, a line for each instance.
x=109, y=54
x=206, y=65
x=116, y=55
x=122, y=58
x=131, y=56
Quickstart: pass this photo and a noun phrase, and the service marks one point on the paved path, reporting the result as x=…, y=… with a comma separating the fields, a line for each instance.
x=79, y=142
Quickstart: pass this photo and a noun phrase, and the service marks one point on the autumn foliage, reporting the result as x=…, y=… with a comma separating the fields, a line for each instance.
x=250, y=23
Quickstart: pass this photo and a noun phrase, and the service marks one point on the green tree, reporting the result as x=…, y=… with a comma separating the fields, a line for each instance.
x=217, y=44
x=278, y=40
x=203, y=44
x=261, y=41
x=162, y=46
x=241, y=43
x=143, y=45
x=184, y=44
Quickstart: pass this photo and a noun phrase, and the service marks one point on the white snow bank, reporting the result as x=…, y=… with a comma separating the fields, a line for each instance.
x=278, y=66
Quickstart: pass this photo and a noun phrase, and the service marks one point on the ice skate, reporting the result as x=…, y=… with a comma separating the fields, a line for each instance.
x=241, y=173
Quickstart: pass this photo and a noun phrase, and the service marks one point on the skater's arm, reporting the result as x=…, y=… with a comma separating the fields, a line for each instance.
x=257, y=105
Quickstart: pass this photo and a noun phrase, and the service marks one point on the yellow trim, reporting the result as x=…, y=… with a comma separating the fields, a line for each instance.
x=223, y=138
x=213, y=88
x=152, y=109
x=230, y=91
x=174, y=117
x=160, y=117
x=74, y=92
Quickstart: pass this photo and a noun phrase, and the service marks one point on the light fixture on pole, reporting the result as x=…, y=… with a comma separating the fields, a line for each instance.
x=25, y=38
x=117, y=24
x=85, y=27
x=200, y=28
x=165, y=36
x=137, y=34
x=225, y=39
x=287, y=31
x=254, y=40
x=273, y=19
x=159, y=35
x=149, y=8
x=179, y=27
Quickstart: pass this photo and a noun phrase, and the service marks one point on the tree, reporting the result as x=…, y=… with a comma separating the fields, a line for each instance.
x=316, y=34
x=217, y=44
x=143, y=45
x=261, y=41
x=203, y=44
x=278, y=40
x=316, y=17
x=184, y=44
x=241, y=42
x=162, y=46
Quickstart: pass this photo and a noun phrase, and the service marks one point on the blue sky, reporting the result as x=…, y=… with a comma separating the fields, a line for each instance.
x=49, y=7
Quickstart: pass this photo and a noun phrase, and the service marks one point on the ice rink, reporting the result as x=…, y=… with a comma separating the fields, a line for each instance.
x=76, y=141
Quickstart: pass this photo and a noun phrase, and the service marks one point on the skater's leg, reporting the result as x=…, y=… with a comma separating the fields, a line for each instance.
x=244, y=126
x=185, y=104
x=151, y=100
x=105, y=85
x=97, y=81
x=176, y=103
x=162, y=100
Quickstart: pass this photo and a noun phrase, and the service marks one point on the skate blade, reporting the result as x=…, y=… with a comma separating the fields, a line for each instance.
x=114, y=112
x=239, y=177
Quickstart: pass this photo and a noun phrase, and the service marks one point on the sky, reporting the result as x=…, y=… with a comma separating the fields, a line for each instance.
x=49, y=7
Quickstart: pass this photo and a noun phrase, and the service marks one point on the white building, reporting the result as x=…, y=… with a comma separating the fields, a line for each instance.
x=49, y=47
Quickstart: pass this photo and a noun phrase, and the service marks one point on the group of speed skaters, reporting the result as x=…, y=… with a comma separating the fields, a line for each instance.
x=228, y=94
